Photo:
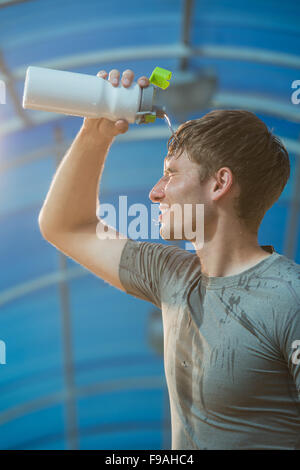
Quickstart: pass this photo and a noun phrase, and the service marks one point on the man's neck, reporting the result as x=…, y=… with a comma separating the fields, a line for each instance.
x=228, y=256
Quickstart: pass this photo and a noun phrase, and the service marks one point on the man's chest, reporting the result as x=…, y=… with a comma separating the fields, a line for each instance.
x=213, y=361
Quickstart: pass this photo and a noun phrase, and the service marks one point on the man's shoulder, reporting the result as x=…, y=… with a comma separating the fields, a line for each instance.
x=167, y=257
x=153, y=271
x=286, y=272
x=287, y=267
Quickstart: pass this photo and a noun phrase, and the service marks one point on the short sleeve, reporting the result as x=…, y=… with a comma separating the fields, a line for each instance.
x=290, y=348
x=147, y=269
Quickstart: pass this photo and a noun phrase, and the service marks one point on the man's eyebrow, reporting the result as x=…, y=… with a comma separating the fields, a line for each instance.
x=170, y=170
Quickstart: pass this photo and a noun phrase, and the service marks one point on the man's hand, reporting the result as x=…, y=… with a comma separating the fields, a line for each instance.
x=104, y=126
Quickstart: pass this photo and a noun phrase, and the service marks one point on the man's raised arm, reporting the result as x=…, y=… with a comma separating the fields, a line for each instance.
x=68, y=218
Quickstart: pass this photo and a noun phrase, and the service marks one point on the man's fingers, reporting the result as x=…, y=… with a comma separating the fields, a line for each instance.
x=122, y=126
x=102, y=74
x=114, y=77
x=127, y=78
x=143, y=82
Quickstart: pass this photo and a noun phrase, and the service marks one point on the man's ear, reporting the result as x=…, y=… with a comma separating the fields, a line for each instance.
x=222, y=183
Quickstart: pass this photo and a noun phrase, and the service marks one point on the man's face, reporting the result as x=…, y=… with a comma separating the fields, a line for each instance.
x=180, y=186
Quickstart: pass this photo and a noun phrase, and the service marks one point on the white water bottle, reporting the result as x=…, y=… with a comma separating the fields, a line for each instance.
x=78, y=94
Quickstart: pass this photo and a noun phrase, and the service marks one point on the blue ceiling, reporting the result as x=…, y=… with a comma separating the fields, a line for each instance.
x=120, y=392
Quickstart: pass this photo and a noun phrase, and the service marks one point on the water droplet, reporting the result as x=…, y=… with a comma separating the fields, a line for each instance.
x=167, y=119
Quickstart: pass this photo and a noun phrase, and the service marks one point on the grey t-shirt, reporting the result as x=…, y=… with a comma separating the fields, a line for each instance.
x=232, y=371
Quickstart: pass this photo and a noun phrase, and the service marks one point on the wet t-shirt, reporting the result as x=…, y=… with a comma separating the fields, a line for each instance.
x=231, y=362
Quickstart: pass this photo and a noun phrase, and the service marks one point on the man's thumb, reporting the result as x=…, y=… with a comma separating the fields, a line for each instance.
x=122, y=126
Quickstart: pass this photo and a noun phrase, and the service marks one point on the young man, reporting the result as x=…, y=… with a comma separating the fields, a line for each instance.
x=231, y=311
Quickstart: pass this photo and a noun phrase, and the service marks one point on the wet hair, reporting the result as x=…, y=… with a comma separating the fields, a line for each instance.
x=239, y=140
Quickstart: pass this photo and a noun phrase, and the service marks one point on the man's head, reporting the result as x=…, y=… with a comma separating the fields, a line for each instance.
x=229, y=161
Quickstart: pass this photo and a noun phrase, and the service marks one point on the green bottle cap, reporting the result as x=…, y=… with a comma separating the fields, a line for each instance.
x=159, y=77
x=150, y=118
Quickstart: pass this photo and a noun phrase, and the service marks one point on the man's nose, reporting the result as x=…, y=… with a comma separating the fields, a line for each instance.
x=157, y=192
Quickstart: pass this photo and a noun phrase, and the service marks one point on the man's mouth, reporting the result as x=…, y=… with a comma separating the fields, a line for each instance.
x=163, y=209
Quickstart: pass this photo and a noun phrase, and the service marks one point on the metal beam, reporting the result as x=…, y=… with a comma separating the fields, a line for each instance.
x=186, y=30
x=10, y=3
x=26, y=288
x=72, y=436
x=257, y=103
x=147, y=133
x=9, y=84
x=156, y=382
x=162, y=51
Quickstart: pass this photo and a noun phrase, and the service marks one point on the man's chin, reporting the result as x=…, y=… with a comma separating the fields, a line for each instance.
x=168, y=234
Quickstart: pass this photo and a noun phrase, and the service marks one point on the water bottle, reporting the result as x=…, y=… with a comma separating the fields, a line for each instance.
x=78, y=94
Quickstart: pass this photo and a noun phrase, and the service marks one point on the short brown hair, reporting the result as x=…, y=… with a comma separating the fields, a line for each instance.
x=239, y=140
